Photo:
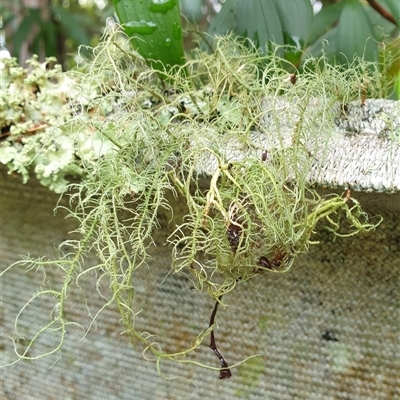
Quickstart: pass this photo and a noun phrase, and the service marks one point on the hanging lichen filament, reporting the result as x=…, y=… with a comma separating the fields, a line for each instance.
x=249, y=226
x=256, y=213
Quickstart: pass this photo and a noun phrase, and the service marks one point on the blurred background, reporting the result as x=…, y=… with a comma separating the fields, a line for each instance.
x=58, y=27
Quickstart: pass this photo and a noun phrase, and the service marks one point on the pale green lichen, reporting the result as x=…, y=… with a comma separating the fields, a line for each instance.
x=136, y=138
x=36, y=111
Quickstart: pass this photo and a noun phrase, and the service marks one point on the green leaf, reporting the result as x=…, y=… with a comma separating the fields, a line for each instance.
x=367, y=25
x=355, y=35
x=394, y=8
x=49, y=35
x=327, y=45
x=257, y=20
x=267, y=21
x=296, y=18
x=192, y=9
x=154, y=28
x=37, y=43
x=25, y=28
x=324, y=20
x=71, y=24
x=225, y=21
x=381, y=26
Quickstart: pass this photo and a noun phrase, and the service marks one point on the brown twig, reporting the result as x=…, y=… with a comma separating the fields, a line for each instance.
x=385, y=14
x=225, y=372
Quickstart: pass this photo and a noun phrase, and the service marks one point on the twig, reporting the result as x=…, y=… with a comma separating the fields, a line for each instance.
x=385, y=14
x=225, y=372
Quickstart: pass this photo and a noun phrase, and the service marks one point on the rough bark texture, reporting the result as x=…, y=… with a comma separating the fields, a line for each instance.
x=362, y=151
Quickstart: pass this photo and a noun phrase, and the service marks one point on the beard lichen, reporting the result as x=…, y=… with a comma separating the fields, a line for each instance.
x=256, y=211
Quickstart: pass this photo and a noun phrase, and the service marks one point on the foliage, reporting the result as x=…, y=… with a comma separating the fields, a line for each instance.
x=340, y=30
x=155, y=30
x=350, y=28
x=267, y=21
x=347, y=25
x=53, y=31
x=158, y=135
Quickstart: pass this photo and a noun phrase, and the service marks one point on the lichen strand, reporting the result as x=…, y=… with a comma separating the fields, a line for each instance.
x=138, y=137
x=251, y=222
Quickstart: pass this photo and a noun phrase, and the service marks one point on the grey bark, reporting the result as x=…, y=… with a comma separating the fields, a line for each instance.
x=361, y=150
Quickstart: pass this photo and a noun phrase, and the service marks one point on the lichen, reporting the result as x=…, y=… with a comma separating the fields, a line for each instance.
x=135, y=137
x=36, y=111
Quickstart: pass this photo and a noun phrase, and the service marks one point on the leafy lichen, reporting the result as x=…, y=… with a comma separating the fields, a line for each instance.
x=36, y=111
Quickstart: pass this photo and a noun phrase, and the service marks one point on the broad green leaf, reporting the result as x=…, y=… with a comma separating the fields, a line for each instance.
x=225, y=21
x=154, y=28
x=355, y=35
x=37, y=42
x=326, y=44
x=324, y=20
x=257, y=20
x=8, y=17
x=394, y=7
x=296, y=18
x=382, y=28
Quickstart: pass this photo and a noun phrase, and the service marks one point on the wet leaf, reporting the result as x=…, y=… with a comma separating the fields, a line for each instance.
x=154, y=28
